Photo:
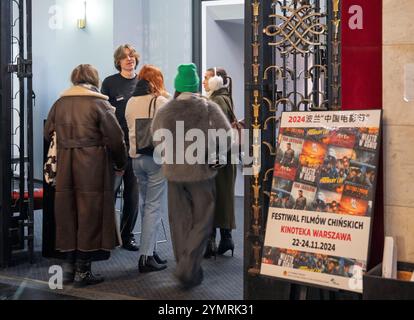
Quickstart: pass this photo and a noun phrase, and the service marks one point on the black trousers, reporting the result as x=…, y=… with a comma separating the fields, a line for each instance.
x=130, y=197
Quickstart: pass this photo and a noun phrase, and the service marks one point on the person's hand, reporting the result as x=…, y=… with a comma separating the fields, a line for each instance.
x=119, y=173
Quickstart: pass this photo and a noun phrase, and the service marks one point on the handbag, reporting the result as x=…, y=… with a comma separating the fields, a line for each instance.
x=143, y=135
x=50, y=168
x=216, y=160
x=237, y=126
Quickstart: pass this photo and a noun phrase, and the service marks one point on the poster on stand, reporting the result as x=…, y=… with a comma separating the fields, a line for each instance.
x=319, y=222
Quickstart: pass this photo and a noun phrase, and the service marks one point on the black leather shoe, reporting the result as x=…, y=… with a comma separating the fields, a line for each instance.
x=158, y=259
x=130, y=245
x=148, y=264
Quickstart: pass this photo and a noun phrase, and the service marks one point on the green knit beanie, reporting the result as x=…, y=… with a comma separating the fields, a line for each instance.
x=187, y=79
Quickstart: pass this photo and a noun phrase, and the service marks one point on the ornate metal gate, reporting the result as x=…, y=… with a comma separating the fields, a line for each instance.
x=292, y=64
x=16, y=138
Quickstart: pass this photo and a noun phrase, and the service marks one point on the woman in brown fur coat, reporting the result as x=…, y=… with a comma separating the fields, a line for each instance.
x=90, y=146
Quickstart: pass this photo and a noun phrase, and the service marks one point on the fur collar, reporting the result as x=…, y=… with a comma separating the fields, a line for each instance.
x=81, y=91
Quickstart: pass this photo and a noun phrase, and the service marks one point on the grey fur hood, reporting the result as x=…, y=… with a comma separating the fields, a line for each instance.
x=195, y=113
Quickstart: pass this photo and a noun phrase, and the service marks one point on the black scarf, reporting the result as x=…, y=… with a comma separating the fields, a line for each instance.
x=142, y=89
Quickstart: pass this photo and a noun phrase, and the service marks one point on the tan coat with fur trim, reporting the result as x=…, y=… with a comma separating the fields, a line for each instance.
x=90, y=143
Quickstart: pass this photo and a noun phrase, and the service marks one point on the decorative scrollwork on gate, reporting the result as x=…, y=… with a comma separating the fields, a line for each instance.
x=300, y=29
x=294, y=66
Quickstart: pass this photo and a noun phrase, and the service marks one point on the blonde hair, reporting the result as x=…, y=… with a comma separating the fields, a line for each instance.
x=120, y=54
x=85, y=74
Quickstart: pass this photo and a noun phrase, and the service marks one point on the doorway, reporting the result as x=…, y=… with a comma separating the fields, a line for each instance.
x=222, y=45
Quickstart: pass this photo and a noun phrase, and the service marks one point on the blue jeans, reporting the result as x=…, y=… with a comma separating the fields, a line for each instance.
x=152, y=190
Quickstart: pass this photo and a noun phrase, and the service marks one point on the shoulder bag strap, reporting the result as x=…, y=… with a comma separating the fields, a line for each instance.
x=231, y=111
x=152, y=105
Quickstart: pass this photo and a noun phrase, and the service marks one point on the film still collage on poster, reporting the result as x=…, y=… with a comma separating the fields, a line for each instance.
x=323, y=193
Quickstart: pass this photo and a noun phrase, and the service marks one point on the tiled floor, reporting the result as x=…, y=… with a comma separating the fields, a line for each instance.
x=223, y=277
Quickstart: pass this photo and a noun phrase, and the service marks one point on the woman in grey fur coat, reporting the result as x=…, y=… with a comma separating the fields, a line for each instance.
x=191, y=184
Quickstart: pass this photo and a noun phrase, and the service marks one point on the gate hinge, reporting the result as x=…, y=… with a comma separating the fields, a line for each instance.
x=23, y=68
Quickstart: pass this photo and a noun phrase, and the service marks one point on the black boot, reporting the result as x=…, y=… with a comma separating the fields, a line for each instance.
x=69, y=268
x=84, y=276
x=148, y=264
x=158, y=259
x=226, y=242
x=211, y=249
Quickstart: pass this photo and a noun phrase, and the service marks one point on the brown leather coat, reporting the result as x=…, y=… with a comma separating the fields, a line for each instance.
x=90, y=144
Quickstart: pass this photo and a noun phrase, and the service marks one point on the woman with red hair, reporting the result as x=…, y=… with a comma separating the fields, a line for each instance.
x=149, y=96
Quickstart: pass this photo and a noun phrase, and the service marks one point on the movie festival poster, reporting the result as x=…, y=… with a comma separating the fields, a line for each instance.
x=319, y=223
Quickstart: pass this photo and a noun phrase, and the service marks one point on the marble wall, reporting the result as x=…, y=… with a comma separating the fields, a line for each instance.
x=398, y=51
